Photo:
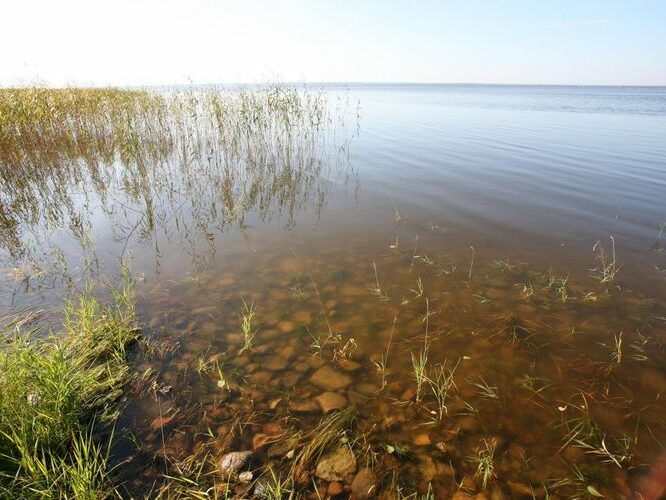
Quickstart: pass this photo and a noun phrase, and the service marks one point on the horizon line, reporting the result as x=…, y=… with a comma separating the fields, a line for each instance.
x=38, y=84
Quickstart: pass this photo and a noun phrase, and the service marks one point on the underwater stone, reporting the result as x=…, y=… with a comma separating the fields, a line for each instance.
x=336, y=466
x=364, y=484
x=258, y=440
x=330, y=379
x=304, y=406
x=275, y=363
x=232, y=462
x=422, y=440
x=286, y=326
x=245, y=477
x=427, y=468
x=348, y=365
x=335, y=488
x=329, y=401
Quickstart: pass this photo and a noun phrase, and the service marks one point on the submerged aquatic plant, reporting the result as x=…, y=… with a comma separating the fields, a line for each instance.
x=485, y=389
x=382, y=364
x=191, y=477
x=657, y=246
x=607, y=265
x=616, y=355
x=420, y=370
x=246, y=326
x=584, y=433
x=276, y=488
x=578, y=484
x=515, y=330
x=377, y=290
x=441, y=381
x=535, y=385
x=485, y=462
x=306, y=446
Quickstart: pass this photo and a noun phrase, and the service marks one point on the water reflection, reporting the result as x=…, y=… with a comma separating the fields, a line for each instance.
x=78, y=165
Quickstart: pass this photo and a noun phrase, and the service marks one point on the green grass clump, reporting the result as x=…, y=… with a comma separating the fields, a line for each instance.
x=57, y=391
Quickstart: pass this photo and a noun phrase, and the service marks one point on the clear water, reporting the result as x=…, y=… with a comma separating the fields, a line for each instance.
x=478, y=207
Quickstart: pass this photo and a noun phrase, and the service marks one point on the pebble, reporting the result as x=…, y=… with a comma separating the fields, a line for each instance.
x=496, y=494
x=304, y=406
x=258, y=440
x=287, y=352
x=301, y=367
x=367, y=388
x=353, y=291
x=330, y=379
x=469, y=424
x=421, y=440
x=408, y=395
x=290, y=379
x=349, y=365
x=209, y=328
x=427, y=468
x=461, y=495
x=275, y=364
x=232, y=462
x=330, y=304
x=271, y=428
x=291, y=265
x=329, y=401
x=245, y=477
x=302, y=317
x=364, y=484
x=226, y=280
x=519, y=489
x=315, y=362
x=286, y=326
x=445, y=470
x=518, y=452
x=336, y=466
x=261, y=377
x=239, y=362
x=335, y=488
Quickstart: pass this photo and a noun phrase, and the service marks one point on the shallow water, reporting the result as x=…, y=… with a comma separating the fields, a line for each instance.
x=457, y=221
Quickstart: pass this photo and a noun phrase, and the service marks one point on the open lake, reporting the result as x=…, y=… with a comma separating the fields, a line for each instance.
x=477, y=272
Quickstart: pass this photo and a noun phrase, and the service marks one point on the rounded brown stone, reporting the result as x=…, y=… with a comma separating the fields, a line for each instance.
x=364, y=484
x=329, y=401
x=335, y=488
x=330, y=379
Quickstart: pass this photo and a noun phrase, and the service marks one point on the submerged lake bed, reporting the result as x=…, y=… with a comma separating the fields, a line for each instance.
x=394, y=291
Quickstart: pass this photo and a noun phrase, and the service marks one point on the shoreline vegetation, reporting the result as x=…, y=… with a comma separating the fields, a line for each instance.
x=211, y=154
x=393, y=376
x=60, y=396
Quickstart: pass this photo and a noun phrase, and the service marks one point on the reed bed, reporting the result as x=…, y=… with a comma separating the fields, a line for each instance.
x=215, y=154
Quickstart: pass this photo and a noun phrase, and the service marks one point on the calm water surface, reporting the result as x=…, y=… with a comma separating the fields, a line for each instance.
x=461, y=218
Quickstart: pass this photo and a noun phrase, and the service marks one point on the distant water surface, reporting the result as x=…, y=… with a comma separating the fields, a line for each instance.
x=522, y=165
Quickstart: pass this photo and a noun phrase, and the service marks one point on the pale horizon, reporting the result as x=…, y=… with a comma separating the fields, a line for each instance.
x=151, y=42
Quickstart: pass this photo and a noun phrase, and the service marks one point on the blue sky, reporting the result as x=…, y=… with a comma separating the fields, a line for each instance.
x=205, y=41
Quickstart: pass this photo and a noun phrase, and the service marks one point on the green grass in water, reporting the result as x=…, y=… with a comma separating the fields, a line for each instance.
x=56, y=392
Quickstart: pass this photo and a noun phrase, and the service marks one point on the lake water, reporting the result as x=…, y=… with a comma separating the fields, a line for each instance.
x=509, y=235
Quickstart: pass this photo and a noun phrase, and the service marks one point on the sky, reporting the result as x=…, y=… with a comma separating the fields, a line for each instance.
x=163, y=42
